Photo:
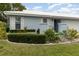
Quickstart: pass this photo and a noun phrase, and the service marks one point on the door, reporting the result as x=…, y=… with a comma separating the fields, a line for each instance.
x=62, y=27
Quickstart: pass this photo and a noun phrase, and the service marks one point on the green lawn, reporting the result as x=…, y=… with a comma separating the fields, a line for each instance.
x=23, y=49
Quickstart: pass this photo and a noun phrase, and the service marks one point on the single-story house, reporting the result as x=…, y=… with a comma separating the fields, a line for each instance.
x=41, y=20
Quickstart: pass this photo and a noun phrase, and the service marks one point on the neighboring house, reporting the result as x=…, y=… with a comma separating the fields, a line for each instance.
x=42, y=20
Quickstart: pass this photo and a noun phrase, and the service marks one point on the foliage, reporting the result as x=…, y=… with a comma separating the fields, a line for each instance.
x=3, y=30
x=38, y=31
x=19, y=6
x=52, y=36
x=70, y=34
x=26, y=38
x=20, y=31
x=7, y=6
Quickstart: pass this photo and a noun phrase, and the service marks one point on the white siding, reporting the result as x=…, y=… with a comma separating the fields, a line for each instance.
x=44, y=27
x=35, y=23
x=50, y=23
x=22, y=23
x=71, y=24
x=31, y=22
x=62, y=27
x=12, y=23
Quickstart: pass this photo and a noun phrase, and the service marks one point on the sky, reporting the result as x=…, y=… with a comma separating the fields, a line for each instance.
x=54, y=7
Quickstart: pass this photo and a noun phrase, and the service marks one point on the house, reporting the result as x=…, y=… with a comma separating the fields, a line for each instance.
x=41, y=20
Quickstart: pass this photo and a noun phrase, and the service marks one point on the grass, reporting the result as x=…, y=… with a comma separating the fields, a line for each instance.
x=22, y=49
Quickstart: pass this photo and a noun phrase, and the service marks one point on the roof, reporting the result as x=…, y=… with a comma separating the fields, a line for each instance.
x=43, y=14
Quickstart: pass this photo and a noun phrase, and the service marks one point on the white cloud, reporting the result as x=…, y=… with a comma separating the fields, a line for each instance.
x=51, y=6
x=63, y=9
x=37, y=8
x=68, y=10
x=69, y=5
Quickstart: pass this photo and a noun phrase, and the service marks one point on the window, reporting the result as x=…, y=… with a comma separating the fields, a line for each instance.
x=62, y=27
x=18, y=21
x=44, y=20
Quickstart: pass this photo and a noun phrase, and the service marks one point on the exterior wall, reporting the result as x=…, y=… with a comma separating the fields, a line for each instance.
x=35, y=23
x=44, y=26
x=51, y=23
x=22, y=23
x=32, y=23
x=71, y=24
x=12, y=22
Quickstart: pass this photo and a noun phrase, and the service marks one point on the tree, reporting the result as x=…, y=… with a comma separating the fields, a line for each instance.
x=10, y=7
x=7, y=6
x=18, y=6
x=4, y=7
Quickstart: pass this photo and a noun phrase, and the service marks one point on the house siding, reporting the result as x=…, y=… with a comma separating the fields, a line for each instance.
x=71, y=24
x=22, y=23
x=35, y=23
x=12, y=23
x=32, y=23
x=51, y=23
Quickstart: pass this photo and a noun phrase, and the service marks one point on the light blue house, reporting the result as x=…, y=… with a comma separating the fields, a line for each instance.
x=42, y=20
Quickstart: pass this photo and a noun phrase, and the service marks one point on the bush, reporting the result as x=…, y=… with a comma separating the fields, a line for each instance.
x=3, y=30
x=21, y=31
x=38, y=31
x=70, y=34
x=7, y=29
x=52, y=36
x=26, y=38
x=17, y=31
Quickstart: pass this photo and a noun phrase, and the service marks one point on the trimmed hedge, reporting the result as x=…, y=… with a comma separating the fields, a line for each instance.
x=20, y=31
x=27, y=38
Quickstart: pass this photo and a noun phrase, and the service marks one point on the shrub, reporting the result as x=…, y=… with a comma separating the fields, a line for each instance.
x=70, y=34
x=30, y=30
x=26, y=38
x=38, y=31
x=51, y=35
x=17, y=31
x=21, y=31
x=7, y=29
x=3, y=30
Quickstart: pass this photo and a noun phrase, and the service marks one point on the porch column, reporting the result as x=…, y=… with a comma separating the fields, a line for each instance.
x=12, y=23
x=22, y=23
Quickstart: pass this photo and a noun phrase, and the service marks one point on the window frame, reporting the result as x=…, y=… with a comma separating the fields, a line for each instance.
x=18, y=22
x=44, y=21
